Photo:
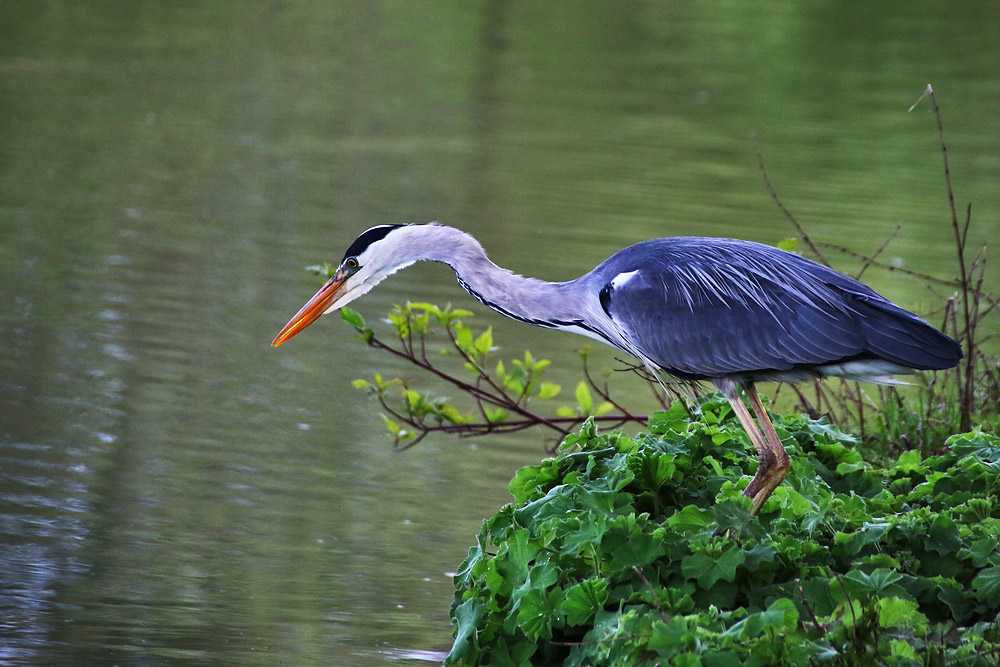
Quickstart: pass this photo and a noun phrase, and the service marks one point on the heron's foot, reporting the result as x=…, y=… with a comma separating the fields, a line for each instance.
x=771, y=470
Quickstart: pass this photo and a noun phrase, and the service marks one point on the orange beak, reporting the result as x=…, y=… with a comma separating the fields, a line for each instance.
x=316, y=306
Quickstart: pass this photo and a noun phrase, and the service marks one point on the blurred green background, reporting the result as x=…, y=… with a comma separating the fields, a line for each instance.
x=174, y=491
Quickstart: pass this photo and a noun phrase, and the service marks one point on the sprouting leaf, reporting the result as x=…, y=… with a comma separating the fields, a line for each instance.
x=788, y=245
x=484, y=343
x=604, y=408
x=463, y=337
x=353, y=318
x=392, y=426
x=548, y=390
x=584, y=399
x=495, y=415
x=326, y=270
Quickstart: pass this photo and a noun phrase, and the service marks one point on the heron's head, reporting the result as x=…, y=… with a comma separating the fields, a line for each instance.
x=373, y=256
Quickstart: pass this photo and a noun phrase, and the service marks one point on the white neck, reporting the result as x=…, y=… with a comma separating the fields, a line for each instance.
x=527, y=299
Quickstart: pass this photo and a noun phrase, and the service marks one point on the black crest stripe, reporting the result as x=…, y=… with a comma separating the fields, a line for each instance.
x=367, y=238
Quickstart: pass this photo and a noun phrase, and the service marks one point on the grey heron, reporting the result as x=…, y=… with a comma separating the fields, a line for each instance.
x=727, y=311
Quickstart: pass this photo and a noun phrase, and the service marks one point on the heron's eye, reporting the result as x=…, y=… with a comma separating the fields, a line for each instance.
x=351, y=263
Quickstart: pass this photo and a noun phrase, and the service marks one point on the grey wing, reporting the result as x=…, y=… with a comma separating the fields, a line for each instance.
x=710, y=321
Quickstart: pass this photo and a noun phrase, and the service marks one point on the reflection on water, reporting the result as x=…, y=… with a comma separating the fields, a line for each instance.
x=173, y=490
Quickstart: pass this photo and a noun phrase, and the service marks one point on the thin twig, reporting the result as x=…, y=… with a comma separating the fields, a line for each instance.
x=965, y=388
x=781, y=206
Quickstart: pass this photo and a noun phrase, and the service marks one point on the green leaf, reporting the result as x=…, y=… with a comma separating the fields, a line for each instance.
x=326, y=270
x=484, y=343
x=943, y=536
x=880, y=581
x=986, y=586
x=894, y=612
x=392, y=426
x=353, y=318
x=708, y=570
x=985, y=552
x=604, y=408
x=902, y=650
x=466, y=616
x=537, y=613
x=690, y=519
x=670, y=638
x=984, y=445
x=463, y=337
x=788, y=245
x=583, y=600
x=583, y=399
x=909, y=462
x=779, y=618
x=548, y=390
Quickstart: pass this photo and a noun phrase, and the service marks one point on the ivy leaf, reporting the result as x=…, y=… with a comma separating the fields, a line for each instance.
x=985, y=552
x=537, y=613
x=690, y=519
x=943, y=536
x=986, y=446
x=880, y=581
x=895, y=612
x=707, y=570
x=986, y=585
x=909, y=462
x=902, y=650
x=776, y=619
x=466, y=616
x=583, y=600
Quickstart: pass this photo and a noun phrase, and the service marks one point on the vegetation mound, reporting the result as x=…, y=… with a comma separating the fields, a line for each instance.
x=642, y=551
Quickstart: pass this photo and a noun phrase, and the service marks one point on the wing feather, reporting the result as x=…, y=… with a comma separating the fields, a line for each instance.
x=705, y=308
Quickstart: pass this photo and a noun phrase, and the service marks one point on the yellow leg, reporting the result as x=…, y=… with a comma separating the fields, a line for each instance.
x=772, y=459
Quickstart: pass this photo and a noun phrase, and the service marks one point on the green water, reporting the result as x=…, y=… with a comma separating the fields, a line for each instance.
x=174, y=491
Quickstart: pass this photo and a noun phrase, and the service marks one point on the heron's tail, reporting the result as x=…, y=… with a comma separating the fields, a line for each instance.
x=900, y=337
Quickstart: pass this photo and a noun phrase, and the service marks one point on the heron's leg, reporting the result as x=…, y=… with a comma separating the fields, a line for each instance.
x=761, y=485
x=779, y=468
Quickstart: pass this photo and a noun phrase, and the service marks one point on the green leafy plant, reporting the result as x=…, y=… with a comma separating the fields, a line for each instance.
x=641, y=551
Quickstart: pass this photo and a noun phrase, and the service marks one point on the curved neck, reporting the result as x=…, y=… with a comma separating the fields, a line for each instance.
x=527, y=299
